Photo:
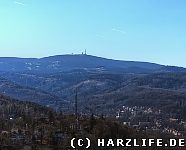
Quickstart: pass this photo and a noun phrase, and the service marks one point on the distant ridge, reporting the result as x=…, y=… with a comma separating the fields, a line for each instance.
x=60, y=63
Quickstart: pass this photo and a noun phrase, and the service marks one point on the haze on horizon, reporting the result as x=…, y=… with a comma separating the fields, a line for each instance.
x=150, y=31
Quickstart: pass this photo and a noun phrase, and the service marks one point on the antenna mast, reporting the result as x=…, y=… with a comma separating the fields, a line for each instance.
x=85, y=52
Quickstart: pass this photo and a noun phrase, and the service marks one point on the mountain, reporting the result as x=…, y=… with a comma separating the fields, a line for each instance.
x=70, y=62
x=63, y=63
x=103, y=85
x=88, y=61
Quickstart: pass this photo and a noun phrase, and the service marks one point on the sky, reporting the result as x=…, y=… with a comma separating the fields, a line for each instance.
x=137, y=30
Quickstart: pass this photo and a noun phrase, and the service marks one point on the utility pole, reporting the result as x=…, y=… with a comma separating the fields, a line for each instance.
x=76, y=111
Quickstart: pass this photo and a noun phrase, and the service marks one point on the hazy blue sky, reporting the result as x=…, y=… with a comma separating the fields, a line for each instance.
x=143, y=30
